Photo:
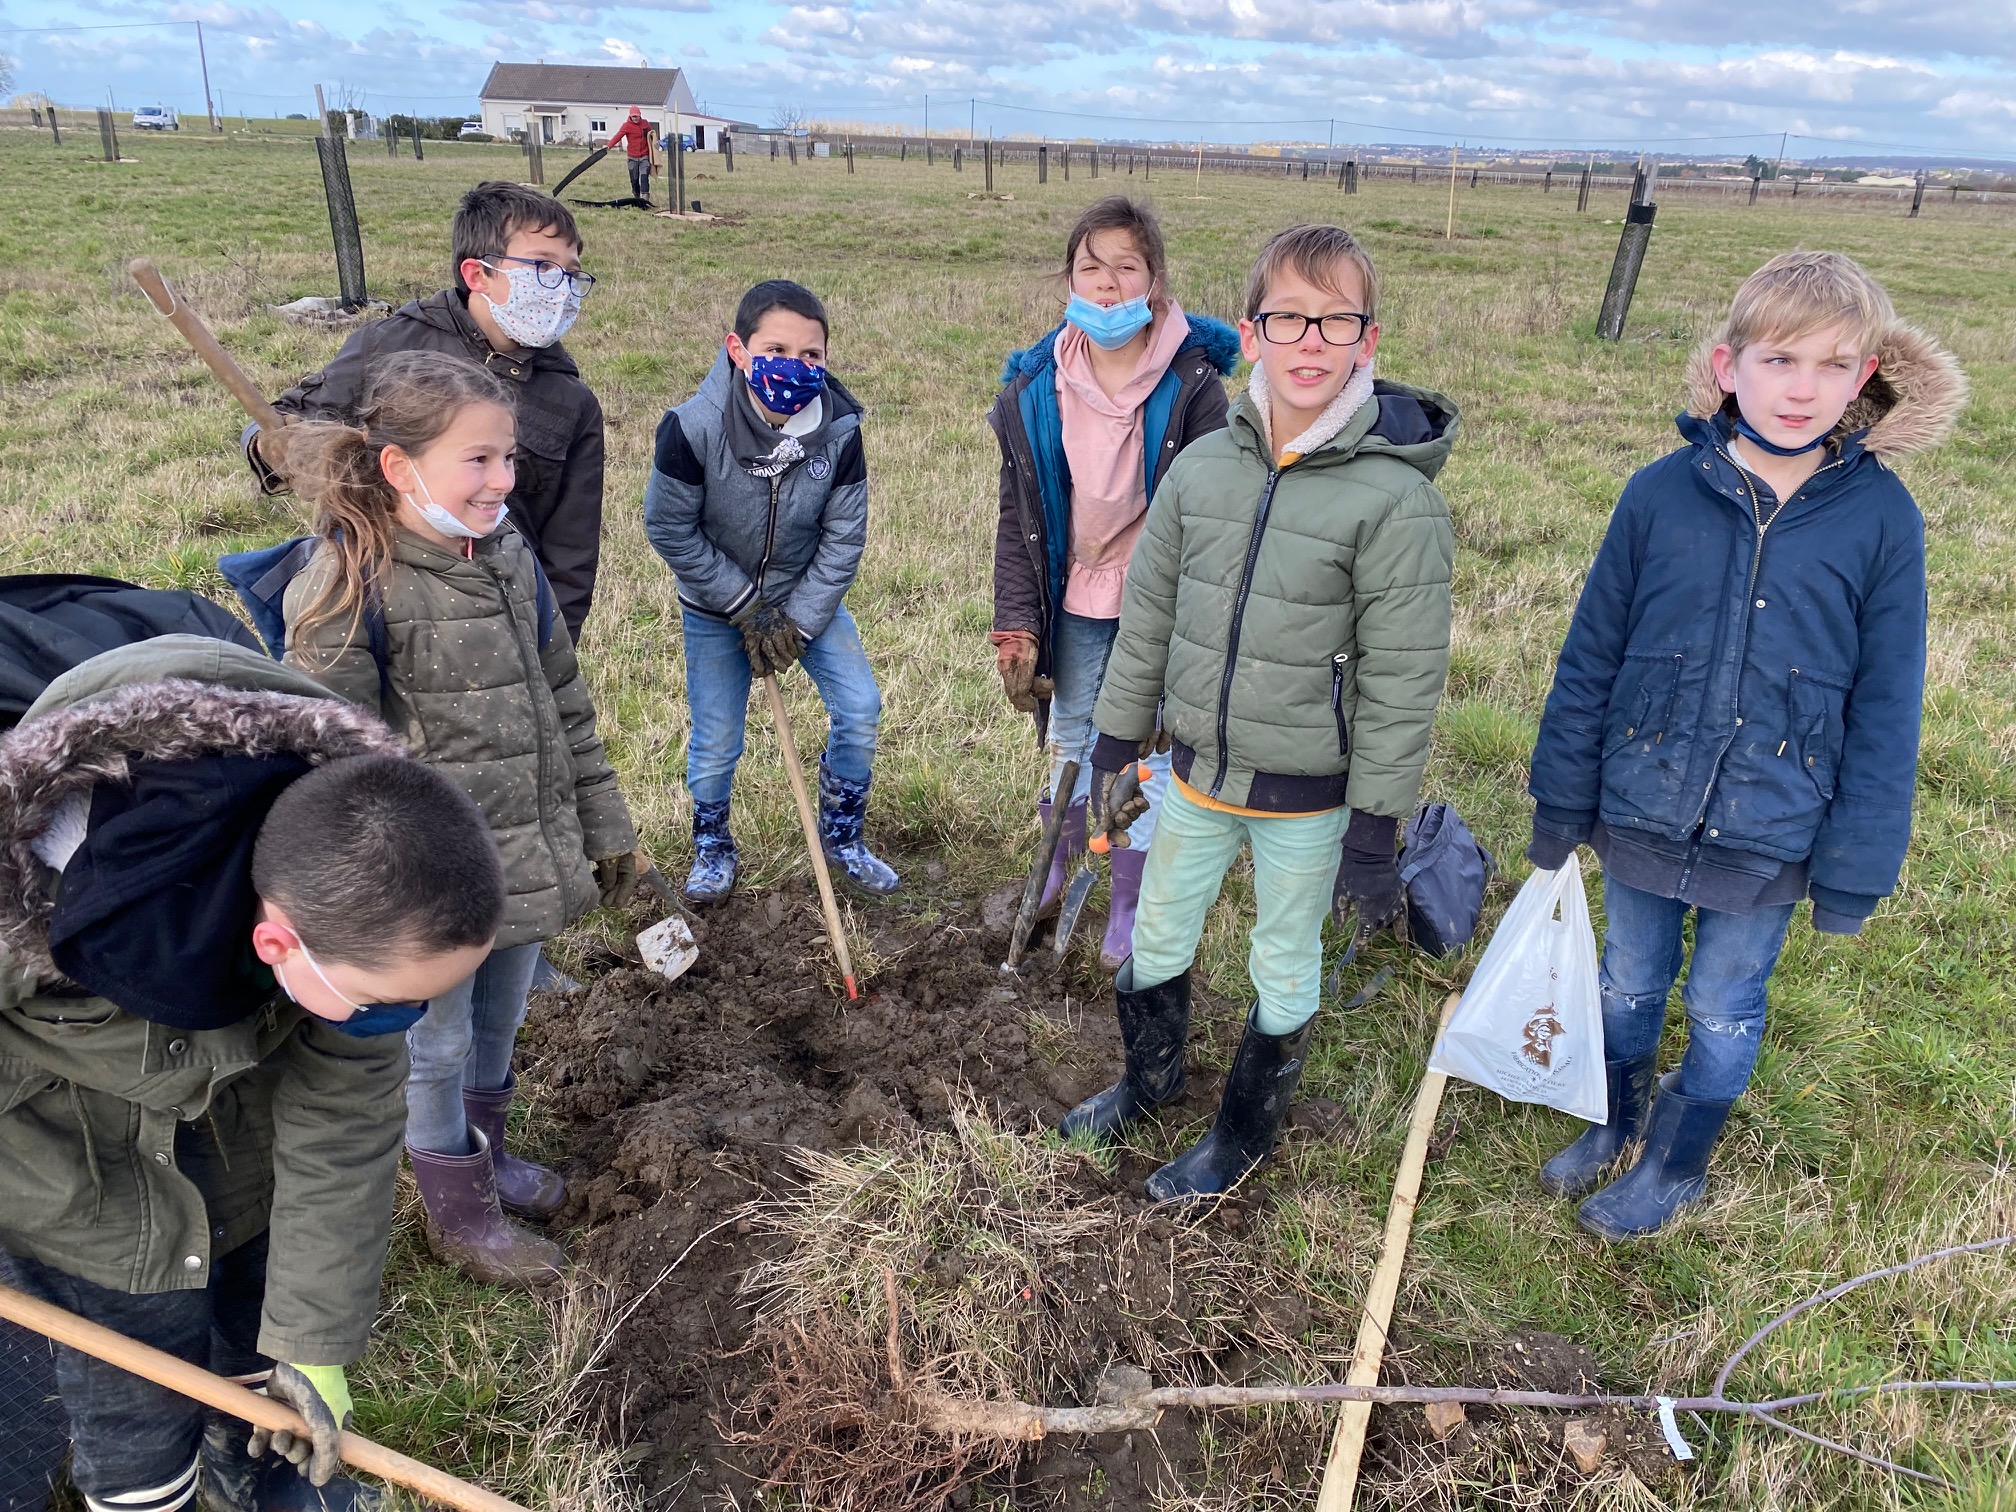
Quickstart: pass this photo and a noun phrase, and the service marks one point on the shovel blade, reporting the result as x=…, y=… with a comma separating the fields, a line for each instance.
x=668, y=948
x=1074, y=905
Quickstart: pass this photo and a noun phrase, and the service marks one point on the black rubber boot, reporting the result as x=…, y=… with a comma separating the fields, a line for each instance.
x=1258, y=1090
x=231, y=1480
x=1154, y=1027
x=1672, y=1173
x=1578, y=1170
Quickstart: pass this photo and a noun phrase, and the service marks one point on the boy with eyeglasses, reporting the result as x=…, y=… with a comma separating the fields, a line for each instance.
x=516, y=255
x=1287, y=610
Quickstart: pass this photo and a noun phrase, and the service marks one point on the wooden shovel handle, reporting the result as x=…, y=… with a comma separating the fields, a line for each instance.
x=228, y=1396
x=199, y=336
x=834, y=931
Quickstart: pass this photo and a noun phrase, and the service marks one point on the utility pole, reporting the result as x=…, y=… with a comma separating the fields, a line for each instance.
x=209, y=109
x=1332, y=145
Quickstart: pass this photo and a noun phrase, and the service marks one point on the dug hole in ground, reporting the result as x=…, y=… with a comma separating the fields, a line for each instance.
x=785, y=1155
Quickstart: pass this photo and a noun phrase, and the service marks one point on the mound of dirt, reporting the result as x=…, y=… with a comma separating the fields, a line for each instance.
x=689, y=1098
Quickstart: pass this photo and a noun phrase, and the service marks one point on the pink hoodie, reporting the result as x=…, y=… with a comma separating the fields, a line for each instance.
x=1102, y=444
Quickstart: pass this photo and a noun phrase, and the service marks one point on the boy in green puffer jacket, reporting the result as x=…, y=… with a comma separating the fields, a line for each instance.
x=1287, y=610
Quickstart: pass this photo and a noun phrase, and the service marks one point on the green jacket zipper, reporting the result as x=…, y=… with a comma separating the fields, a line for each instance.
x=1238, y=620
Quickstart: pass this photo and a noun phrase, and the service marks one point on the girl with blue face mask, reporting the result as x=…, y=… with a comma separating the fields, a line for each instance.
x=1089, y=420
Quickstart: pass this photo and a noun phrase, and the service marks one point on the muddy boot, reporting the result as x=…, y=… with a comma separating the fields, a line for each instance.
x=1671, y=1174
x=1258, y=1090
x=1070, y=846
x=1118, y=945
x=843, y=809
x=529, y=1190
x=231, y=1480
x=1154, y=1026
x=466, y=1226
x=714, y=855
x=1578, y=1170
x=546, y=977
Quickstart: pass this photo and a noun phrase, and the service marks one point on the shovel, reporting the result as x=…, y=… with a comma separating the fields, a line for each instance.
x=667, y=947
x=1039, y=872
x=1124, y=789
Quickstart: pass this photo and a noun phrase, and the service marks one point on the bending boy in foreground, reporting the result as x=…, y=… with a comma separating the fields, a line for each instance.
x=1734, y=721
x=224, y=895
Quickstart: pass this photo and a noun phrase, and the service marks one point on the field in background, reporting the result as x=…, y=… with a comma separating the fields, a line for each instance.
x=1880, y=1120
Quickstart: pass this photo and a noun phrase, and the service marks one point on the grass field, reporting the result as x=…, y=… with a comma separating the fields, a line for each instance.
x=1881, y=1118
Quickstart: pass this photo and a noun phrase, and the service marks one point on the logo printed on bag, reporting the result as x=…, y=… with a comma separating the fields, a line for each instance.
x=1537, y=1039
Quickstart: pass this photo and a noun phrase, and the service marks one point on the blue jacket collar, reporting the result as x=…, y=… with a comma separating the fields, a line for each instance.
x=1218, y=342
x=1712, y=436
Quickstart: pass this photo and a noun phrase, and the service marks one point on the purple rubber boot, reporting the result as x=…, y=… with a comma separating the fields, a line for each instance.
x=1119, y=942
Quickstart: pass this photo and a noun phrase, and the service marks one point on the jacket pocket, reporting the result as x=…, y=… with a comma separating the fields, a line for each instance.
x=1337, y=701
x=1641, y=704
x=1816, y=724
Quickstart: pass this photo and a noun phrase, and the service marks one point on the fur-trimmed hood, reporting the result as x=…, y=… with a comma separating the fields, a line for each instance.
x=54, y=754
x=1218, y=342
x=1909, y=404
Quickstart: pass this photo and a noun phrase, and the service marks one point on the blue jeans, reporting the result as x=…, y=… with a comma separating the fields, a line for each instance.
x=717, y=701
x=465, y=1040
x=1078, y=666
x=1734, y=956
x=1294, y=866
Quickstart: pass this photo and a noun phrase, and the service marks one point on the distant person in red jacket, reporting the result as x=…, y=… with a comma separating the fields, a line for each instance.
x=635, y=135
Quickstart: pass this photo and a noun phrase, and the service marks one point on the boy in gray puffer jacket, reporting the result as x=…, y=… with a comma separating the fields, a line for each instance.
x=758, y=502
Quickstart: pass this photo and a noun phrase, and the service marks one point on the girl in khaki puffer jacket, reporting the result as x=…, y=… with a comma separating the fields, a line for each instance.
x=421, y=603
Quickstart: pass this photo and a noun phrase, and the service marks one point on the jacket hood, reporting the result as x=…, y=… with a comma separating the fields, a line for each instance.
x=150, y=701
x=1413, y=425
x=448, y=310
x=719, y=386
x=1908, y=405
x=1218, y=342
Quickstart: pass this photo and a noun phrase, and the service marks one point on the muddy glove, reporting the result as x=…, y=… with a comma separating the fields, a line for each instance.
x=1015, y=660
x=758, y=623
x=321, y=1395
x=617, y=877
x=1116, y=802
x=1368, y=873
x=782, y=646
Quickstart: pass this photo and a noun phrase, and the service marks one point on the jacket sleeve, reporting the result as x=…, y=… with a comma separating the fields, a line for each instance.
x=598, y=802
x=1132, y=690
x=339, y=1112
x=673, y=503
x=337, y=651
x=1860, y=847
x=1567, y=768
x=1018, y=596
x=334, y=393
x=1400, y=592
x=570, y=542
x=843, y=534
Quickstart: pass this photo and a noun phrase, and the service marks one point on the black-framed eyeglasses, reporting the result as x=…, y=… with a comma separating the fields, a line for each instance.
x=1285, y=327
x=551, y=275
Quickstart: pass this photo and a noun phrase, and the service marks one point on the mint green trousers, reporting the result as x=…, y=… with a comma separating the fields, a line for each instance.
x=1294, y=869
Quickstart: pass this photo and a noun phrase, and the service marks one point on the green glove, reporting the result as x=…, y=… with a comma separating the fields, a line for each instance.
x=322, y=1397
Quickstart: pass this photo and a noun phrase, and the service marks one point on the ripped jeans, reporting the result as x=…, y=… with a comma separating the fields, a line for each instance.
x=1734, y=955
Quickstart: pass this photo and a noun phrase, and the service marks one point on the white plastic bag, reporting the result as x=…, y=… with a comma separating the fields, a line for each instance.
x=1530, y=1024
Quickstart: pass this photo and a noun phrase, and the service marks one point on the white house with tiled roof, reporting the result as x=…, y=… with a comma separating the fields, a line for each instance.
x=581, y=103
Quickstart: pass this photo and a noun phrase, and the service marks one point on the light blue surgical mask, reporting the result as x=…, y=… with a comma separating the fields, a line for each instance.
x=438, y=516
x=1109, y=326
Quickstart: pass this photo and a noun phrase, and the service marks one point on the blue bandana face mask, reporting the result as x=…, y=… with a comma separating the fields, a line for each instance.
x=1109, y=326
x=785, y=385
x=370, y=1018
x=1749, y=433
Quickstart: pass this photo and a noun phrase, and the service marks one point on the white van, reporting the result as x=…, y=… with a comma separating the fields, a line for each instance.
x=156, y=118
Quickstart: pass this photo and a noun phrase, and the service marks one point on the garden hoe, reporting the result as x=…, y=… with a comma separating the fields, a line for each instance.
x=1124, y=788
x=1039, y=872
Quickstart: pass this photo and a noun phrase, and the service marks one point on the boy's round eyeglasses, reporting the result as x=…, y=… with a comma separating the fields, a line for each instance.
x=1285, y=327
x=551, y=275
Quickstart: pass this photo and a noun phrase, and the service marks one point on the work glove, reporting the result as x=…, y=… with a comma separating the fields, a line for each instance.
x=616, y=876
x=272, y=443
x=1368, y=873
x=781, y=647
x=1116, y=802
x=1015, y=660
x=322, y=1397
x=763, y=624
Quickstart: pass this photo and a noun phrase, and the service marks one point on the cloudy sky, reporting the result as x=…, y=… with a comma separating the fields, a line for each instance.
x=1661, y=74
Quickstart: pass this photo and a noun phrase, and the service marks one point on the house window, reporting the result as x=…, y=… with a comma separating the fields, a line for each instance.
x=598, y=126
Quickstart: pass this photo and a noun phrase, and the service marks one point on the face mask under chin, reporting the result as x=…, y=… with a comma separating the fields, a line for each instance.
x=445, y=521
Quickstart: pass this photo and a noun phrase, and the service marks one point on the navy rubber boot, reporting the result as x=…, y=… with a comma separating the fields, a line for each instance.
x=843, y=809
x=231, y=1480
x=715, y=858
x=1154, y=1027
x=1672, y=1173
x=1258, y=1091
x=1578, y=1170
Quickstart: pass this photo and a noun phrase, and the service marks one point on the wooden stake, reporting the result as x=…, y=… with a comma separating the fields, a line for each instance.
x=811, y=825
x=1340, y=1475
x=228, y=1396
x=1449, y=232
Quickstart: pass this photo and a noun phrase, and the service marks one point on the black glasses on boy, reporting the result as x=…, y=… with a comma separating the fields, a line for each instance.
x=1285, y=327
x=550, y=274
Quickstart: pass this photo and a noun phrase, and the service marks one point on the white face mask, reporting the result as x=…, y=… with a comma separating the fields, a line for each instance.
x=445, y=522
x=533, y=315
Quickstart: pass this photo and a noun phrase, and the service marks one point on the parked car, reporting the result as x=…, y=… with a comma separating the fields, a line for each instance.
x=472, y=129
x=156, y=118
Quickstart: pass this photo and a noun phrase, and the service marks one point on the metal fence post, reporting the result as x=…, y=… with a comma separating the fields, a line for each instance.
x=1631, y=245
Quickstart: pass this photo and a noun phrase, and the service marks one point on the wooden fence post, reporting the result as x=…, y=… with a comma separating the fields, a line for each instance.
x=1547, y=184
x=850, y=157
x=1756, y=183
x=1473, y=176
x=108, y=135
x=1351, y=175
x=419, y=152
x=1917, y=196
x=958, y=159
x=391, y=140
x=792, y=148
x=727, y=152
x=1043, y=163
x=1095, y=162
x=987, y=162
x=1582, y=194
x=55, y=132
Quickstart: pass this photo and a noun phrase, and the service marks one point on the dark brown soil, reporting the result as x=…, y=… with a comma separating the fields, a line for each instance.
x=688, y=1096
